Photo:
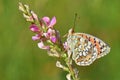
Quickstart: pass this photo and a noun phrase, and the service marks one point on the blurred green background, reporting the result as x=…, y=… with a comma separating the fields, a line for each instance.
x=21, y=59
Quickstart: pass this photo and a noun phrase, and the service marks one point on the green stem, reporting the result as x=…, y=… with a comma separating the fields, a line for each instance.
x=71, y=71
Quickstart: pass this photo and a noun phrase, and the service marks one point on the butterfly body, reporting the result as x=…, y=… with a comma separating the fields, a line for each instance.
x=85, y=48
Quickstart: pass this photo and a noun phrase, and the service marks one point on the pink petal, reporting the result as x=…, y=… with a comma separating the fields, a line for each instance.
x=53, y=39
x=46, y=35
x=65, y=46
x=42, y=46
x=36, y=37
x=34, y=15
x=51, y=31
x=34, y=28
x=52, y=22
x=46, y=20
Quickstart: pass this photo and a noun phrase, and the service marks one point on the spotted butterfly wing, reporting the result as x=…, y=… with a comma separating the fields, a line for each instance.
x=86, y=48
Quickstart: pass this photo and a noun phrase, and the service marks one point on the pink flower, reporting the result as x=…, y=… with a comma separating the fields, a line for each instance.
x=42, y=46
x=53, y=39
x=34, y=15
x=49, y=23
x=51, y=34
x=34, y=28
x=46, y=20
x=46, y=33
x=36, y=37
x=65, y=46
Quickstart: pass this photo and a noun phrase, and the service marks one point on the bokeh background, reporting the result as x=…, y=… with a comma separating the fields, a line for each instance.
x=21, y=59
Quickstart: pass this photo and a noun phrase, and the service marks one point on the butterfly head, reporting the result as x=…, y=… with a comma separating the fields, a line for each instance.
x=71, y=31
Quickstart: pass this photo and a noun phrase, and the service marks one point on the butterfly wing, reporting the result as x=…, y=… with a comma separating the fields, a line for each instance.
x=101, y=46
x=86, y=48
x=83, y=51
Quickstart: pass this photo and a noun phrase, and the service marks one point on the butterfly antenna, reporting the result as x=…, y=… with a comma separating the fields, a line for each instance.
x=75, y=21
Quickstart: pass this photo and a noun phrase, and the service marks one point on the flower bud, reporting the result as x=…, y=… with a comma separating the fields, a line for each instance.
x=34, y=28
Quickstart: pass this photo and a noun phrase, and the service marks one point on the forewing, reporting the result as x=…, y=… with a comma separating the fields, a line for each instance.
x=83, y=51
x=101, y=46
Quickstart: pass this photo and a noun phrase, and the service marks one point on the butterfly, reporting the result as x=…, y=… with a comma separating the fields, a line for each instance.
x=85, y=48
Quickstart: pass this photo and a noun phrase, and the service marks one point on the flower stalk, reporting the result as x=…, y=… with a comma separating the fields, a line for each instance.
x=49, y=39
